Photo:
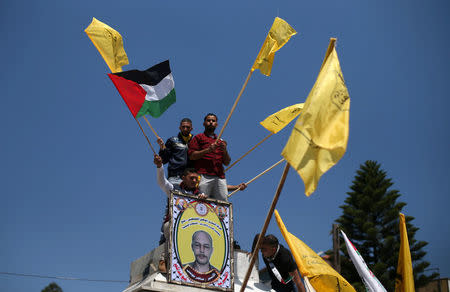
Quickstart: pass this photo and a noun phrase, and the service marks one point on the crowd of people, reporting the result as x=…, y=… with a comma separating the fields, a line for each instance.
x=195, y=166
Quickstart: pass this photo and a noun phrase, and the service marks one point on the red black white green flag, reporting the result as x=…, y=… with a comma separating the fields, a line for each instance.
x=146, y=92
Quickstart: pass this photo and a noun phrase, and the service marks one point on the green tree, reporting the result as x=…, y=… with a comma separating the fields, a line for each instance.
x=52, y=287
x=370, y=219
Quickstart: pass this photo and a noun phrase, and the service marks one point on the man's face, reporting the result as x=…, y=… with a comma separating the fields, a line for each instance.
x=210, y=123
x=185, y=128
x=202, y=248
x=190, y=180
x=268, y=251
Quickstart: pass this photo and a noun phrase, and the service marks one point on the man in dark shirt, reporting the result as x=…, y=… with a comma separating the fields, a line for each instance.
x=280, y=266
x=175, y=151
x=209, y=156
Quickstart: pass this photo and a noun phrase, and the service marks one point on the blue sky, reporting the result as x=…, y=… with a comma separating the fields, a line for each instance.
x=79, y=196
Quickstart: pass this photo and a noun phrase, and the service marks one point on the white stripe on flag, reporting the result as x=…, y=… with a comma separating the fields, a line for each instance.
x=160, y=90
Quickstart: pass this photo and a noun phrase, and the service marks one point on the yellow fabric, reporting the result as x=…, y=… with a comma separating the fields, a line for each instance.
x=321, y=276
x=186, y=138
x=279, y=34
x=109, y=43
x=404, y=281
x=328, y=52
x=319, y=138
x=277, y=121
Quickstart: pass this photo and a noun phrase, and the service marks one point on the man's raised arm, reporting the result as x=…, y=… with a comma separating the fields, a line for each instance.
x=163, y=183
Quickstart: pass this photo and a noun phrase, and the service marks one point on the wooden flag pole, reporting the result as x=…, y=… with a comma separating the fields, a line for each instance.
x=148, y=123
x=235, y=104
x=266, y=224
x=336, y=248
x=140, y=127
x=253, y=148
x=258, y=176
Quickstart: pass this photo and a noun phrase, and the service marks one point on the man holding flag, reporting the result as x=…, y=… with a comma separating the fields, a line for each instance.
x=175, y=151
x=321, y=276
x=280, y=266
x=209, y=156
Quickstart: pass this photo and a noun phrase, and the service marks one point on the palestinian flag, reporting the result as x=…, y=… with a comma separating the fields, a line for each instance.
x=146, y=92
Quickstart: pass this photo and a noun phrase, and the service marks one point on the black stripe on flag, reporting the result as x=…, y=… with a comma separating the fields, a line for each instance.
x=151, y=76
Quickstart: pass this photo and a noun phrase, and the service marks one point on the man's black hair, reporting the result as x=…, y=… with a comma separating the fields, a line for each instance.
x=211, y=114
x=270, y=240
x=188, y=170
x=188, y=120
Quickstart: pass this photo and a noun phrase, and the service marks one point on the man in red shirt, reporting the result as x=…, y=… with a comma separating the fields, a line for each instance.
x=209, y=157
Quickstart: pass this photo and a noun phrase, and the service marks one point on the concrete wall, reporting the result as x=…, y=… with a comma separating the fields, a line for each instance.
x=440, y=285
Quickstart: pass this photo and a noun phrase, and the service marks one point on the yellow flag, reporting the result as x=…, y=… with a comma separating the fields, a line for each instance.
x=319, y=138
x=279, y=34
x=320, y=275
x=109, y=43
x=404, y=281
x=277, y=121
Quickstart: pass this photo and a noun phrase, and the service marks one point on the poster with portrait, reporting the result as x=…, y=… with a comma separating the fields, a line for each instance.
x=200, y=244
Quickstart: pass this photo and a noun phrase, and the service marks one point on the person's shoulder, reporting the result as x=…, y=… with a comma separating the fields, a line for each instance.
x=199, y=135
x=285, y=257
x=173, y=139
x=282, y=247
x=212, y=268
x=197, y=138
x=284, y=252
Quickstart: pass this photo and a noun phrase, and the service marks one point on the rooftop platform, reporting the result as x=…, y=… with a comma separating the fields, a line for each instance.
x=145, y=276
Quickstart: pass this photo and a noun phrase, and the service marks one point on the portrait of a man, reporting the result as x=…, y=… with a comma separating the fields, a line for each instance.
x=200, y=243
x=201, y=269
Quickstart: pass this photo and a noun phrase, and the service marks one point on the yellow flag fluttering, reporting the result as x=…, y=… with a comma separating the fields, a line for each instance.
x=277, y=121
x=109, y=43
x=319, y=138
x=279, y=34
x=320, y=275
x=404, y=281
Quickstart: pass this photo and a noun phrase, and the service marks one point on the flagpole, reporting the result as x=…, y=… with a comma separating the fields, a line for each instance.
x=266, y=224
x=148, y=123
x=235, y=104
x=140, y=127
x=258, y=176
x=267, y=137
x=336, y=249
